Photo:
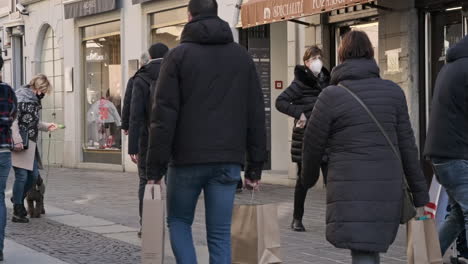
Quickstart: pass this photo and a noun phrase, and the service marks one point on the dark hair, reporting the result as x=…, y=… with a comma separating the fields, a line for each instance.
x=1, y=62
x=203, y=7
x=355, y=45
x=158, y=50
x=312, y=52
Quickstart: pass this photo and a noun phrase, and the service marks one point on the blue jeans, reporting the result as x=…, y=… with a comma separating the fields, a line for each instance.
x=5, y=167
x=453, y=175
x=184, y=185
x=24, y=181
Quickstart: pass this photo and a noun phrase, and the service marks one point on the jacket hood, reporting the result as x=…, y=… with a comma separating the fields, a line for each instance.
x=355, y=69
x=158, y=50
x=305, y=76
x=150, y=71
x=25, y=94
x=208, y=30
x=460, y=50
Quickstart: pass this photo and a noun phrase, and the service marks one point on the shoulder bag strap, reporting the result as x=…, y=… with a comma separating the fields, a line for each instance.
x=384, y=133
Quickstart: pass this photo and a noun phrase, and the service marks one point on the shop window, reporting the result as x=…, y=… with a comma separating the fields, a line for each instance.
x=167, y=26
x=168, y=35
x=103, y=89
x=371, y=29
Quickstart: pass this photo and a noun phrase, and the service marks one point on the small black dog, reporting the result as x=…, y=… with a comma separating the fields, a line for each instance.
x=35, y=199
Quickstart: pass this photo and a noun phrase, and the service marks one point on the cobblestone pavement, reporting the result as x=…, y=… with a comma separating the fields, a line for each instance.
x=112, y=196
x=70, y=244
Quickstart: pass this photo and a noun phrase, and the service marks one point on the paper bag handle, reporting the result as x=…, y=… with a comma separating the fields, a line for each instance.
x=155, y=191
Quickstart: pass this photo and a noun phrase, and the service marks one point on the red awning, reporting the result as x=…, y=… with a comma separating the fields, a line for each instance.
x=259, y=12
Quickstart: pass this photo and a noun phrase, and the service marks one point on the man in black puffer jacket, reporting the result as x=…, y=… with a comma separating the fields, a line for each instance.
x=298, y=101
x=207, y=115
x=140, y=107
x=447, y=139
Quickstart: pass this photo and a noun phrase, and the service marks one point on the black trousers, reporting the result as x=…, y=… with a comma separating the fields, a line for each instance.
x=300, y=193
x=141, y=184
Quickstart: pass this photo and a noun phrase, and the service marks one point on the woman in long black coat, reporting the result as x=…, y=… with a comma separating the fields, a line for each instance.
x=364, y=188
x=297, y=101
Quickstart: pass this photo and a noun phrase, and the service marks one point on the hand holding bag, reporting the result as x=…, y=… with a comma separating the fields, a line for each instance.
x=255, y=234
x=408, y=211
x=423, y=242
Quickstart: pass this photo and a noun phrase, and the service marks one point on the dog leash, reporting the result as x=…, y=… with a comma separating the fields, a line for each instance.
x=46, y=179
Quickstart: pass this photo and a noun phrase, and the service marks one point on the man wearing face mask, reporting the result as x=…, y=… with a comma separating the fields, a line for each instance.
x=297, y=101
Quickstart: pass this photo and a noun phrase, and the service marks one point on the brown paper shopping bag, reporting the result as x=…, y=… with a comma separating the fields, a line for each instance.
x=153, y=230
x=423, y=242
x=255, y=234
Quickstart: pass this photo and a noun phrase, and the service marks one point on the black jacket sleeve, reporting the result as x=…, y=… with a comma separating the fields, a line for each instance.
x=164, y=115
x=256, y=128
x=409, y=155
x=126, y=105
x=138, y=113
x=285, y=102
x=316, y=139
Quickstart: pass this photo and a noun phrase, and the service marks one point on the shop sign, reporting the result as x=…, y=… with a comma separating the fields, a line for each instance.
x=88, y=7
x=393, y=61
x=259, y=12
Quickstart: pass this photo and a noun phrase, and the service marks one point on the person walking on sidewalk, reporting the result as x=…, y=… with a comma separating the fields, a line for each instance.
x=144, y=59
x=208, y=114
x=144, y=80
x=298, y=101
x=447, y=140
x=25, y=135
x=364, y=187
x=8, y=108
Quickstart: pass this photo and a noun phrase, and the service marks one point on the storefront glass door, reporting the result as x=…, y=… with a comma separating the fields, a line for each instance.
x=443, y=29
x=103, y=93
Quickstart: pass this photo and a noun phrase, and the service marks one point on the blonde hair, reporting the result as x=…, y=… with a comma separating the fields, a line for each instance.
x=40, y=83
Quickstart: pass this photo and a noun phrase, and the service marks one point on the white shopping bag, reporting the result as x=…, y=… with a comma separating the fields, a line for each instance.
x=153, y=231
x=437, y=208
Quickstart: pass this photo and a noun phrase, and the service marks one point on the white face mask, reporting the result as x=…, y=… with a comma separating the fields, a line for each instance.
x=316, y=66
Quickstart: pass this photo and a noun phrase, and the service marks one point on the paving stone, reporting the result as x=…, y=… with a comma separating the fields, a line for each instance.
x=113, y=196
x=19, y=254
x=77, y=220
x=71, y=244
x=111, y=229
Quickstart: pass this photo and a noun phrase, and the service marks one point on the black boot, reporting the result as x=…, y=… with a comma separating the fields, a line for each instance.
x=18, y=214
x=297, y=226
x=23, y=211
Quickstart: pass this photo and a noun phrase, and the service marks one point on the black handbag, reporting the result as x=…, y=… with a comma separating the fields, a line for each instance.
x=25, y=137
x=408, y=211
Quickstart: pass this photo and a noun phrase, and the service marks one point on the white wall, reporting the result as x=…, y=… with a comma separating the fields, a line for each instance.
x=228, y=11
x=133, y=30
x=280, y=130
x=44, y=15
